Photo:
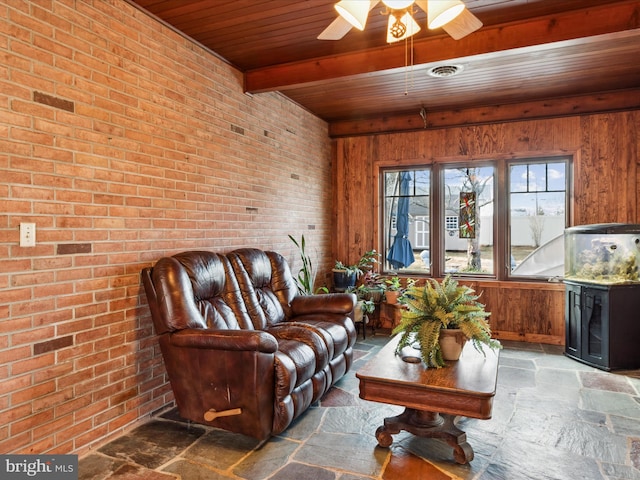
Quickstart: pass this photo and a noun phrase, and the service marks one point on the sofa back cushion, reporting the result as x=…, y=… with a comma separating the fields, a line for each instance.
x=198, y=290
x=266, y=284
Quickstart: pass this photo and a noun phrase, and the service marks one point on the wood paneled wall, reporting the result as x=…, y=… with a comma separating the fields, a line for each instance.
x=524, y=311
x=605, y=149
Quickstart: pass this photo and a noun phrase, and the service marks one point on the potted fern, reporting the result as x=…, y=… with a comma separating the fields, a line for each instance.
x=438, y=309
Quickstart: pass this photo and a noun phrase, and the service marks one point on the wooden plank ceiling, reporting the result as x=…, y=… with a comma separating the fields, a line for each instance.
x=531, y=58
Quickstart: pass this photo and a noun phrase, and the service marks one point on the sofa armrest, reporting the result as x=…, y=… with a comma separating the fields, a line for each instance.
x=237, y=340
x=340, y=303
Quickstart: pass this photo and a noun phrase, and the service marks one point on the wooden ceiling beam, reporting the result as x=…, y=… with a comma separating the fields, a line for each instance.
x=571, y=25
x=567, y=106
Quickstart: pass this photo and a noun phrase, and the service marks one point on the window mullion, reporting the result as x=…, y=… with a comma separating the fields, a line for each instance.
x=437, y=222
x=502, y=222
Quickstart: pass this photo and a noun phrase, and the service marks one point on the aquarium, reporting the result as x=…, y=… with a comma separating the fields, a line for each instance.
x=605, y=254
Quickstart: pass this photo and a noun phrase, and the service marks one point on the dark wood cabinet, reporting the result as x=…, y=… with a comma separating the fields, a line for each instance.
x=603, y=324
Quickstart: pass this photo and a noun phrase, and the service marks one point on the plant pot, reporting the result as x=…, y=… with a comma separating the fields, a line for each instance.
x=451, y=341
x=342, y=280
x=375, y=294
x=358, y=314
x=391, y=296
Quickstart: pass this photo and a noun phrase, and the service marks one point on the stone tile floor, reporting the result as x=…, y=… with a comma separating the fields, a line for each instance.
x=553, y=419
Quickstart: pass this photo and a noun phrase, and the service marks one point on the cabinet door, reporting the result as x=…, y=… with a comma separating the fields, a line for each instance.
x=573, y=318
x=595, y=326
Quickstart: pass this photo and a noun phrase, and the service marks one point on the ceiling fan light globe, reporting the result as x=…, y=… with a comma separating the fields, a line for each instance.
x=354, y=11
x=398, y=4
x=395, y=31
x=442, y=12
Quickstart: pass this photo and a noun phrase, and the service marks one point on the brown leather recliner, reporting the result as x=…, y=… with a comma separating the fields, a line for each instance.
x=243, y=351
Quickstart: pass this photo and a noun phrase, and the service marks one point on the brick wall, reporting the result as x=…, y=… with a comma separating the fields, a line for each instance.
x=123, y=142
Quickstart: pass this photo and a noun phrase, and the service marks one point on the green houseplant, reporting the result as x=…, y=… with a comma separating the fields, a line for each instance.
x=374, y=285
x=345, y=276
x=364, y=306
x=305, y=281
x=439, y=306
x=393, y=289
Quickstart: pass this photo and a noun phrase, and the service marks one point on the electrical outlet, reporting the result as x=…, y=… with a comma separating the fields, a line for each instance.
x=27, y=234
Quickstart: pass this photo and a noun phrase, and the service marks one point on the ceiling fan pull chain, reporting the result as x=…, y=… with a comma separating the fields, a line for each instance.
x=406, y=63
x=408, y=67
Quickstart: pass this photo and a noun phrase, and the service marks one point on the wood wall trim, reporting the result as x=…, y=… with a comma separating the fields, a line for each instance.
x=560, y=107
x=520, y=285
x=529, y=338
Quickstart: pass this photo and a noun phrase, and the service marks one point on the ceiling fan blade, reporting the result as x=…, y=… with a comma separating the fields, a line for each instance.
x=336, y=30
x=423, y=4
x=462, y=25
x=340, y=27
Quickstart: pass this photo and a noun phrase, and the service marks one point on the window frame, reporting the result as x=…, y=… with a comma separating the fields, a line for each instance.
x=501, y=222
x=381, y=203
x=442, y=167
x=568, y=195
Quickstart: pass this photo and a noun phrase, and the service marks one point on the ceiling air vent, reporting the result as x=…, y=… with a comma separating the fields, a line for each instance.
x=442, y=71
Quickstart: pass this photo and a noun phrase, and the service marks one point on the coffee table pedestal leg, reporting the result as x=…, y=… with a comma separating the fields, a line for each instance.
x=429, y=425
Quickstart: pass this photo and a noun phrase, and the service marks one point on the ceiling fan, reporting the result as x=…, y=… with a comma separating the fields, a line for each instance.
x=451, y=15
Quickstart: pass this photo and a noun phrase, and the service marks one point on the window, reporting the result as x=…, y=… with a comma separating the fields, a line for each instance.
x=443, y=219
x=537, y=218
x=406, y=220
x=469, y=249
x=451, y=224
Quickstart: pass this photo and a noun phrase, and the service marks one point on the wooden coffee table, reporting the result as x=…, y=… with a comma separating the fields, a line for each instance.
x=432, y=398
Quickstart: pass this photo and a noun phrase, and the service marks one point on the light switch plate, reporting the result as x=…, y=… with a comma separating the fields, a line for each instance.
x=27, y=234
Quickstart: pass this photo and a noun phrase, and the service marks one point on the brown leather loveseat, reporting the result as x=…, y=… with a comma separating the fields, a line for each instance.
x=243, y=350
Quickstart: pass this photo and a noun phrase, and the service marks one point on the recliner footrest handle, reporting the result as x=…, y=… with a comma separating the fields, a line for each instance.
x=212, y=414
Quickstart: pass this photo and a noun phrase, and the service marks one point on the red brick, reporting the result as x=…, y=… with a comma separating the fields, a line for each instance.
x=92, y=435
x=33, y=364
x=48, y=429
x=16, y=442
x=33, y=335
x=91, y=410
x=78, y=351
x=60, y=369
x=44, y=445
x=75, y=430
x=31, y=279
x=13, y=414
x=128, y=418
x=18, y=397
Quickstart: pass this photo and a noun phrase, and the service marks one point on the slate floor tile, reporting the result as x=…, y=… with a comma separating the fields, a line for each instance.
x=606, y=381
x=522, y=460
x=153, y=443
x=354, y=453
x=404, y=465
x=221, y=449
x=298, y=471
x=611, y=402
x=270, y=458
x=189, y=470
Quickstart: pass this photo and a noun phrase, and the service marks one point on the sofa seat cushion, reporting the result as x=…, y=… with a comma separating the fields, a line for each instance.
x=335, y=335
x=297, y=382
x=295, y=364
x=307, y=336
